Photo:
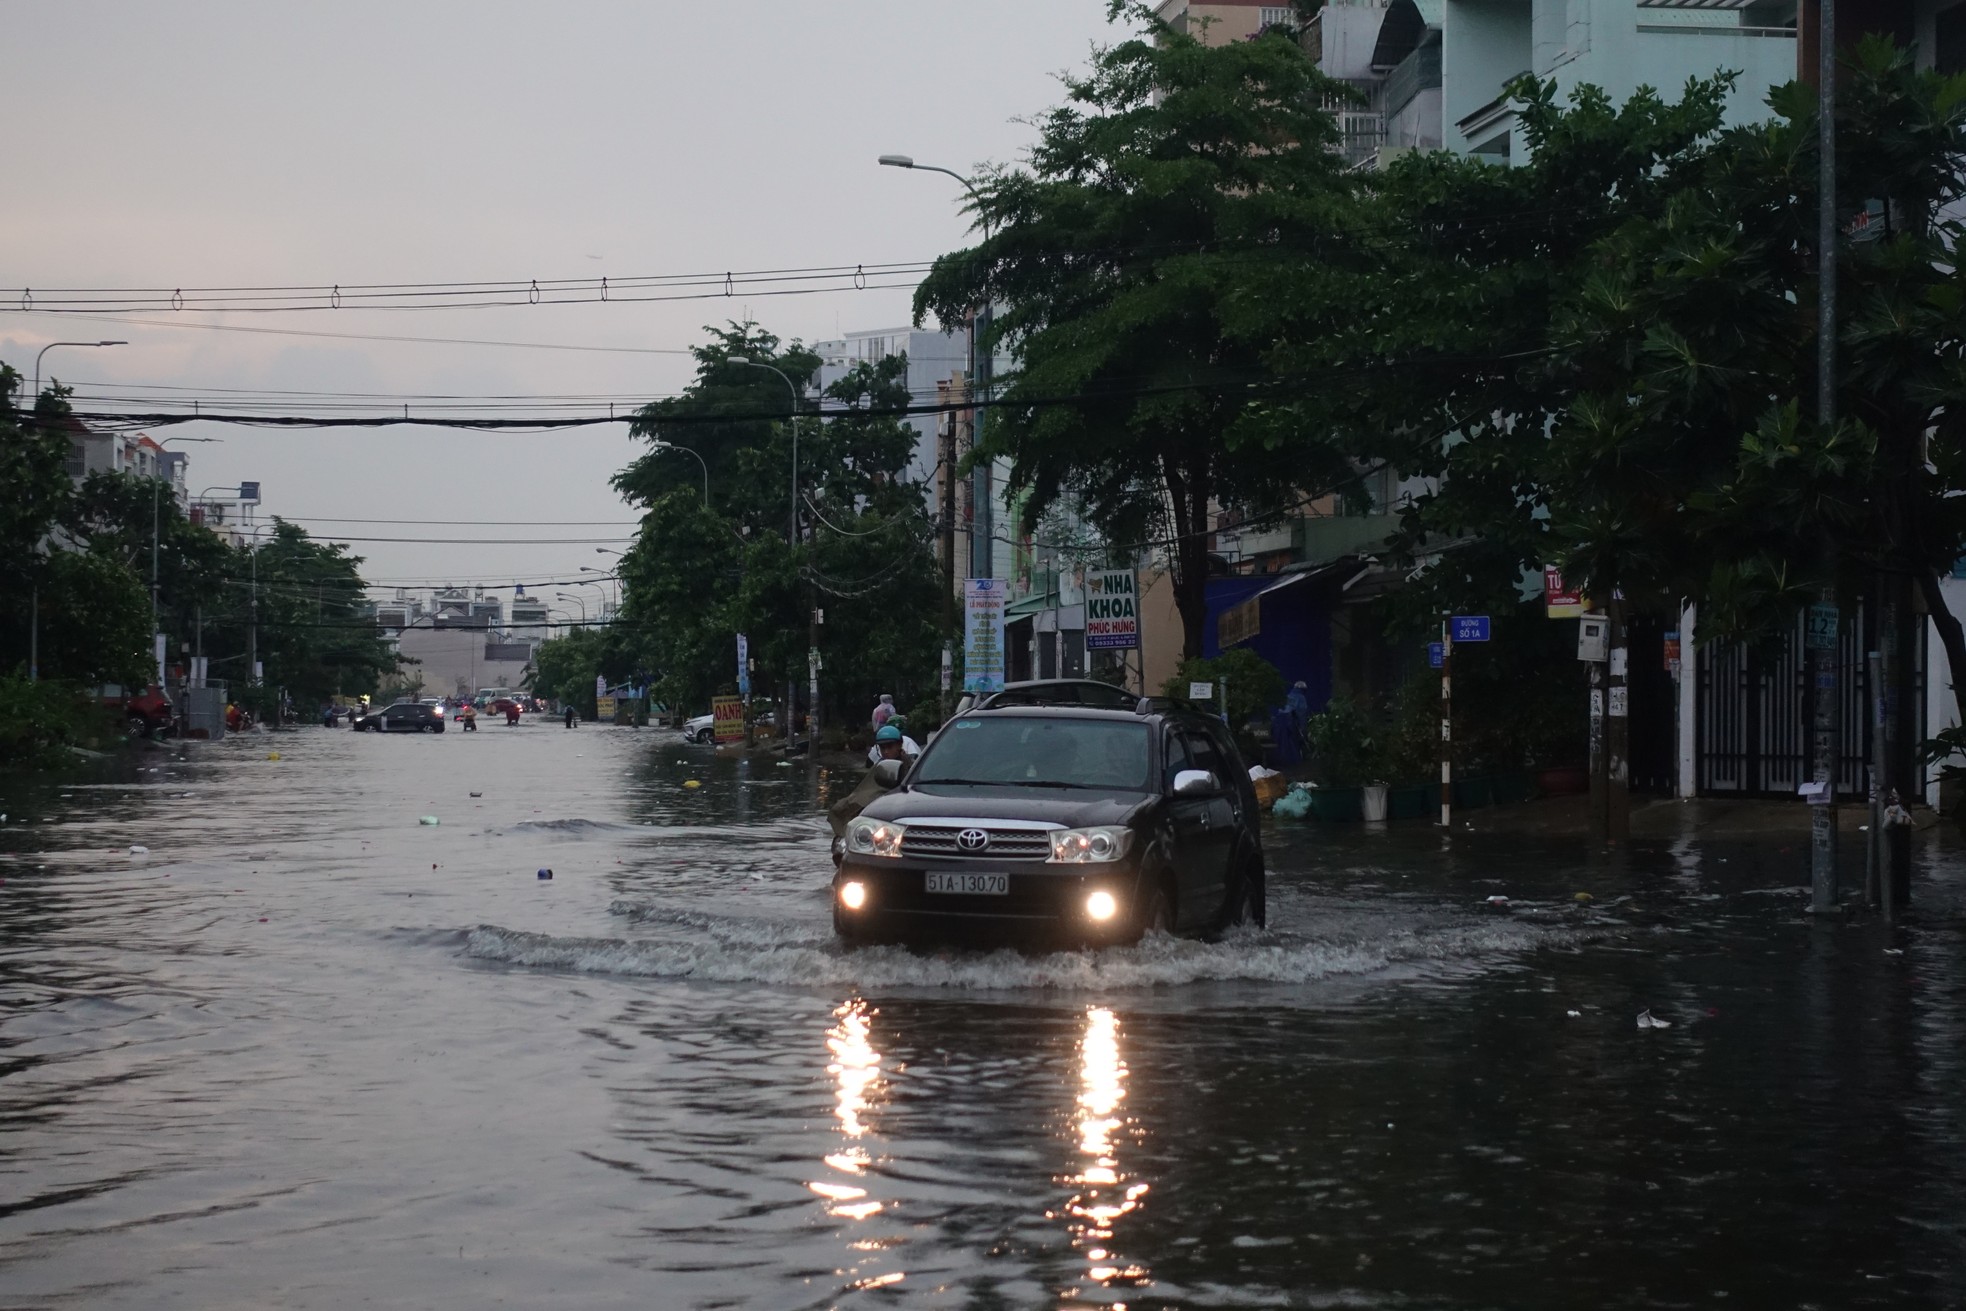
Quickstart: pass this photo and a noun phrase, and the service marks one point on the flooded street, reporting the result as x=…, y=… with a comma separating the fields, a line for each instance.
x=311, y=1052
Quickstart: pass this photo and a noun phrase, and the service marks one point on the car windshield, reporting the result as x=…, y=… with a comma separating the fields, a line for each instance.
x=1030, y=751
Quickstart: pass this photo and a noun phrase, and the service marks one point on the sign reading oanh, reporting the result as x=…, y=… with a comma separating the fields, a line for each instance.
x=1112, y=610
x=727, y=716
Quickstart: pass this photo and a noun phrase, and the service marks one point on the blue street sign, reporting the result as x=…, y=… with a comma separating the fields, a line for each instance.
x=1436, y=654
x=1471, y=628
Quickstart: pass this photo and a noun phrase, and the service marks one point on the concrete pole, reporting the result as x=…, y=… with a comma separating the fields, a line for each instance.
x=1600, y=801
x=1446, y=722
x=1823, y=648
x=1875, y=868
x=1617, y=731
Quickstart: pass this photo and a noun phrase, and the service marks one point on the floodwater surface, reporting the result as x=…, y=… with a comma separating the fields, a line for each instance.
x=310, y=1051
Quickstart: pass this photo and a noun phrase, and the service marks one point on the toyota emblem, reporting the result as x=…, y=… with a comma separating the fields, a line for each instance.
x=973, y=839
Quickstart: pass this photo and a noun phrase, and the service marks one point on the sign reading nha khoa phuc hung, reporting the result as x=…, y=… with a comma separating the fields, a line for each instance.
x=1112, y=610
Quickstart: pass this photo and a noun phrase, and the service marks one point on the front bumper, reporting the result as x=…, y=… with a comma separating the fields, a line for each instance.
x=1046, y=903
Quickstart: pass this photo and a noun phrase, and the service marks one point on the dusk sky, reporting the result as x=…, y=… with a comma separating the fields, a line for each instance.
x=250, y=145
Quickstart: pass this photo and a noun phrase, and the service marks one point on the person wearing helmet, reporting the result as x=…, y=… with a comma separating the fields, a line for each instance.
x=889, y=744
x=894, y=733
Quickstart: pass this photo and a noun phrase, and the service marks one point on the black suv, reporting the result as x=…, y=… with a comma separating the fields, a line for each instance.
x=407, y=717
x=1056, y=822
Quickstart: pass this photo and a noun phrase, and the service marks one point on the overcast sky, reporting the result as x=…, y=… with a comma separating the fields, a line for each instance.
x=255, y=144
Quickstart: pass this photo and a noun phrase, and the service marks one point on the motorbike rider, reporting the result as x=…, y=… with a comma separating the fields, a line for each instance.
x=889, y=745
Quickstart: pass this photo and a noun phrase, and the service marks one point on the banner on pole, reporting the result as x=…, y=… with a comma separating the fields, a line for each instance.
x=983, y=649
x=743, y=665
x=1112, y=610
x=727, y=715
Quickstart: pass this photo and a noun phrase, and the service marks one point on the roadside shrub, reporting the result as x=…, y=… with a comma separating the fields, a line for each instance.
x=40, y=721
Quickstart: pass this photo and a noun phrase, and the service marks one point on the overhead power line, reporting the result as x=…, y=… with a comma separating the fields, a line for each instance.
x=476, y=295
x=367, y=336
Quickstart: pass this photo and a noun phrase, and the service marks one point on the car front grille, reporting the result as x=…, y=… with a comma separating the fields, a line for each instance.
x=941, y=843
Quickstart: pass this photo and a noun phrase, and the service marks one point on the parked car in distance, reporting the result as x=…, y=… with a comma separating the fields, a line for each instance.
x=144, y=711
x=700, y=730
x=408, y=717
x=1049, y=824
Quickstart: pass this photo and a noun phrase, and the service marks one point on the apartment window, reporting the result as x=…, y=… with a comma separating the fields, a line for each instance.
x=1276, y=16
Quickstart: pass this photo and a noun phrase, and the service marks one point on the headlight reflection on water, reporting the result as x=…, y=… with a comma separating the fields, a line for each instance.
x=1104, y=1194
x=856, y=1072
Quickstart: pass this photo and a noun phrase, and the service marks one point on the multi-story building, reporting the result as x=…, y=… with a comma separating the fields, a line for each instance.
x=530, y=615
x=933, y=357
x=455, y=641
x=1218, y=22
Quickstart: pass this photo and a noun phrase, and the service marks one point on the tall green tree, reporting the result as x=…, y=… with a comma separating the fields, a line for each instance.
x=701, y=572
x=306, y=600
x=1691, y=461
x=1452, y=370
x=76, y=600
x=1176, y=182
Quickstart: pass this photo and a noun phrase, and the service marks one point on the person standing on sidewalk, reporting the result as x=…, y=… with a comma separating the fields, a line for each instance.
x=884, y=711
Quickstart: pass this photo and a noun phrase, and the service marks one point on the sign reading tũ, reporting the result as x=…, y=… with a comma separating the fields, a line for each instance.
x=983, y=603
x=1470, y=628
x=1112, y=610
x=1560, y=600
x=727, y=715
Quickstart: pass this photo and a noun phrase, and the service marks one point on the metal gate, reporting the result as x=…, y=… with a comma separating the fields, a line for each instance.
x=1755, y=712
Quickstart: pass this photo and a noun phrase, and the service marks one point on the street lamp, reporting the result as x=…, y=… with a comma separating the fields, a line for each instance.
x=580, y=601
x=671, y=446
x=35, y=399
x=792, y=540
x=252, y=633
x=980, y=370
x=34, y=602
x=605, y=576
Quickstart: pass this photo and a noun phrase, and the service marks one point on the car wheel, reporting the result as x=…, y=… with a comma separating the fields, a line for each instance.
x=1249, y=898
x=136, y=726
x=1153, y=912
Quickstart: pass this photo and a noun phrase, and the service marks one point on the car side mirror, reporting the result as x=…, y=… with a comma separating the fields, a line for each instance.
x=1194, y=783
x=888, y=773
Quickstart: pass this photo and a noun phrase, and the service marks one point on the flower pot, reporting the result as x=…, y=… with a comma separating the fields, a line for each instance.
x=1337, y=805
x=1372, y=803
x=1562, y=782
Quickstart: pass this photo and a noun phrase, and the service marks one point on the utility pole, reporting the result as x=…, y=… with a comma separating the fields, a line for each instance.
x=1600, y=807
x=1825, y=620
x=1446, y=721
x=1617, y=731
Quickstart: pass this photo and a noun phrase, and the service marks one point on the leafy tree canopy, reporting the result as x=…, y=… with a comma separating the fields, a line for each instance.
x=1178, y=179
